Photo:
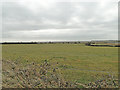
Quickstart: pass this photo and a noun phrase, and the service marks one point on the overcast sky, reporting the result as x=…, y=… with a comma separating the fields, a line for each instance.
x=56, y=20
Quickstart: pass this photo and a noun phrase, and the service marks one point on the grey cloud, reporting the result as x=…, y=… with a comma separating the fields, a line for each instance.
x=86, y=21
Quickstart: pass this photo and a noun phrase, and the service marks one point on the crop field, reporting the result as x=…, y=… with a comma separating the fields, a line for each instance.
x=77, y=63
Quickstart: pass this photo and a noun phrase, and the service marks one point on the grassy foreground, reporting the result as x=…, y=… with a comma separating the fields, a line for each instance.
x=77, y=63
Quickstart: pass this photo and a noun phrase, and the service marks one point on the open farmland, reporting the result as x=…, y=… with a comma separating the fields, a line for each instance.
x=77, y=62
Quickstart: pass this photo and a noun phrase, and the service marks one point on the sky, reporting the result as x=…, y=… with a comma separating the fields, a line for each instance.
x=59, y=20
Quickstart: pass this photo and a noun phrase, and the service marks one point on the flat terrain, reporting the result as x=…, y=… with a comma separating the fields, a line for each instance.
x=77, y=62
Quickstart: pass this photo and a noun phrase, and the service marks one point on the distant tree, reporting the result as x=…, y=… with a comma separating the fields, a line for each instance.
x=88, y=44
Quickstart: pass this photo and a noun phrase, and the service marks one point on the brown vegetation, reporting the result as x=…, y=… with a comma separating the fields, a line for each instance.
x=46, y=75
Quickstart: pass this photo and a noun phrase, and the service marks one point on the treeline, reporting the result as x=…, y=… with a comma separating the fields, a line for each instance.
x=101, y=45
x=40, y=42
x=19, y=43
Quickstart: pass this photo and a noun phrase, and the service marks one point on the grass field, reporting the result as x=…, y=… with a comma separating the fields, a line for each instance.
x=77, y=62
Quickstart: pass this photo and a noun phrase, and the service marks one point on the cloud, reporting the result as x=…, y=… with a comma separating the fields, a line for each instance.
x=52, y=20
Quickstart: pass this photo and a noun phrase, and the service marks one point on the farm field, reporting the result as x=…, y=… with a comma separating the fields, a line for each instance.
x=77, y=62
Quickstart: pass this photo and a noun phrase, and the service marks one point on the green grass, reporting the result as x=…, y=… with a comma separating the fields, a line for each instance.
x=77, y=62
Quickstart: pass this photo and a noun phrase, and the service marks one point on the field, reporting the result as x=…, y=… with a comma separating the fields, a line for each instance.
x=77, y=62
